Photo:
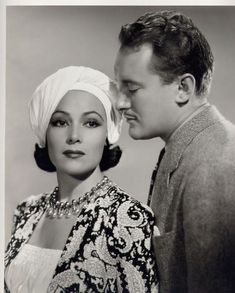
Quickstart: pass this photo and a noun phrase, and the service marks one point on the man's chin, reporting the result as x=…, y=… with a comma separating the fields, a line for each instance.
x=135, y=134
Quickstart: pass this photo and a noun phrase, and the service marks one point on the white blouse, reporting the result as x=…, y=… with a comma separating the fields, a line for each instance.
x=32, y=269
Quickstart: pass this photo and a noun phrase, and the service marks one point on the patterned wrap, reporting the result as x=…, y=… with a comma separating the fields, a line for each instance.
x=109, y=248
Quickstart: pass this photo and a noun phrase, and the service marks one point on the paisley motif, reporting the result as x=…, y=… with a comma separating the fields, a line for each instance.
x=108, y=250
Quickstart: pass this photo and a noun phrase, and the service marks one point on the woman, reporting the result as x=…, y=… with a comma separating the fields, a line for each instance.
x=87, y=235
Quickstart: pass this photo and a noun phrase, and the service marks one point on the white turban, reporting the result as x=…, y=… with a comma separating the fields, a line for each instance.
x=50, y=92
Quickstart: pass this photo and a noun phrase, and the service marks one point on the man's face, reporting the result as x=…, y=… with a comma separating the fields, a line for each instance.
x=148, y=105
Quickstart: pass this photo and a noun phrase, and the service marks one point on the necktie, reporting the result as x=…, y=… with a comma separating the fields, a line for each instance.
x=154, y=174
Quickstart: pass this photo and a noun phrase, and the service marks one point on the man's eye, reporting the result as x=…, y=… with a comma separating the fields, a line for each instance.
x=92, y=123
x=59, y=123
x=133, y=90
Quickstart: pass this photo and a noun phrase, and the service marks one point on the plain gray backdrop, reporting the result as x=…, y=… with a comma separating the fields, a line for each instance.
x=42, y=39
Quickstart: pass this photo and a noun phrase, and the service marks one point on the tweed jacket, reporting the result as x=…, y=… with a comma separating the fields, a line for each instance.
x=194, y=204
x=108, y=249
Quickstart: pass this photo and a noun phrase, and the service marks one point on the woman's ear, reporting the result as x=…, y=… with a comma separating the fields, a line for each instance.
x=186, y=88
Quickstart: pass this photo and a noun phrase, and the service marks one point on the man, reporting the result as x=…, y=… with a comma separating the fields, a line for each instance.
x=164, y=69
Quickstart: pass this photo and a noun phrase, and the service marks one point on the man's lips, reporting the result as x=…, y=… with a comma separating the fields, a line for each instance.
x=130, y=117
x=73, y=153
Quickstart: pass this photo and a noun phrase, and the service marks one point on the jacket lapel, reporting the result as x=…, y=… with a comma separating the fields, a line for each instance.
x=175, y=148
x=29, y=215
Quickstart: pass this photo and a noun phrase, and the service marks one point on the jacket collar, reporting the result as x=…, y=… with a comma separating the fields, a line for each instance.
x=184, y=135
x=29, y=215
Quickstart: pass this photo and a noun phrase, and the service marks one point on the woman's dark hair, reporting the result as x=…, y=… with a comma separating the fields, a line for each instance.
x=110, y=158
x=42, y=159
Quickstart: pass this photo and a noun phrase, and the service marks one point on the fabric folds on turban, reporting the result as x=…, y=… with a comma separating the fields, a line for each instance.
x=50, y=92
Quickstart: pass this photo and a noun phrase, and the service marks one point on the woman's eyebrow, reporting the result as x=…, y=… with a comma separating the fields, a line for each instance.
x=84, y=114
x=93, y=112
x=60, y=112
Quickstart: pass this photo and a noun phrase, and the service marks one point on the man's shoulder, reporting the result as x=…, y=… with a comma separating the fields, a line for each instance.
x=209, y=147
x=215, y=144
x=208, y=163
x=206, y=138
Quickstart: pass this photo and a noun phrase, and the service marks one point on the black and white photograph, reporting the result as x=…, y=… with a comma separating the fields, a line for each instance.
x=119, y=148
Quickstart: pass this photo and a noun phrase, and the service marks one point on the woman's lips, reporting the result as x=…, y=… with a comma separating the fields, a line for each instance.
x=73, y=154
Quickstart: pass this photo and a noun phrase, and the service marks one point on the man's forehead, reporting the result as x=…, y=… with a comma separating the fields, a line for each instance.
x=142, y=52
x=130, y=62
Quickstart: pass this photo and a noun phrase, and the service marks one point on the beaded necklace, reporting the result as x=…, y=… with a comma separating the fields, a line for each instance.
x=59, y=209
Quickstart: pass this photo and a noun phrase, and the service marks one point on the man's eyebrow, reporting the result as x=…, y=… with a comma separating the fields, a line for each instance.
x=129, y=81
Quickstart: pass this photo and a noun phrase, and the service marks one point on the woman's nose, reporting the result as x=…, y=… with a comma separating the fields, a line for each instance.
x=74, y=135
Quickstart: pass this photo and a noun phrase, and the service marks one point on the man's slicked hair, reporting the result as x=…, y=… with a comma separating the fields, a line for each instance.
x=178, y=46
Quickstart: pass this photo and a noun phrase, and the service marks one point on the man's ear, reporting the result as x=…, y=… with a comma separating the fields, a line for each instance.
x=186, y=88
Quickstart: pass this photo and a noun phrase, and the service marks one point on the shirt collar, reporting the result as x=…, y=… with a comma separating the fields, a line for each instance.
x=197, y=111
x=202, y=118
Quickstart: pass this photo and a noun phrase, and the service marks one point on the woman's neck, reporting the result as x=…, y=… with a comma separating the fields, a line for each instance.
x=71, y=187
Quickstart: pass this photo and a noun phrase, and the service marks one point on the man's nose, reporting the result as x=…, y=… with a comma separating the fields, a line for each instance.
x=123, y=102
x=74, y=135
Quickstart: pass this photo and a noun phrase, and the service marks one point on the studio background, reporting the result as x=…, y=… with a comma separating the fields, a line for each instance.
x=42, y=39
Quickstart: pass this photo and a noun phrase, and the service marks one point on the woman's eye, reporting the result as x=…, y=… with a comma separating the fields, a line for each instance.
x=92, y=123
x=59, y=123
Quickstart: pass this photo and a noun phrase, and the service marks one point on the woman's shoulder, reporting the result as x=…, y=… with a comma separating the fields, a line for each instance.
x=123, y=202
x=116, y=191
x=30, y=201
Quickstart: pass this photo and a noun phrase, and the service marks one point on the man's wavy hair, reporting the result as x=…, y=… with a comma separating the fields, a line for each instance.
x=177, y=43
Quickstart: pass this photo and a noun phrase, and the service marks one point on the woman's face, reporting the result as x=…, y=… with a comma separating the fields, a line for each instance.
x=76, y=133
